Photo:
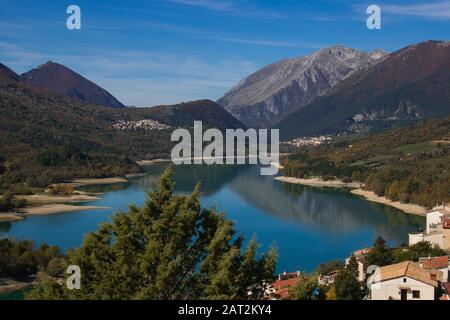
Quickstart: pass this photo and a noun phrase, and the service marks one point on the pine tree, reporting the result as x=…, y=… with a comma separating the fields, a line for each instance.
x=171, y=248
x=380, y=255
x=346, y=283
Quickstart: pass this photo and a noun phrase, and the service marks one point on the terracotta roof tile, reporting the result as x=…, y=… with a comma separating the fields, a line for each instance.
x=434, y=263
x=412, y=270
x=282, y=287
x=362, y=251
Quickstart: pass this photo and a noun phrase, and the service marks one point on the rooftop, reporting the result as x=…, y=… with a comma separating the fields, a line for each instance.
x=282, y=287
x=362, y=251
x=434, y=262
x=411, y=270
x=287, y=283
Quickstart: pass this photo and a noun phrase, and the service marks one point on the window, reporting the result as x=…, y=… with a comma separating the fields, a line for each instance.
x=404, y=279
x=416, y=294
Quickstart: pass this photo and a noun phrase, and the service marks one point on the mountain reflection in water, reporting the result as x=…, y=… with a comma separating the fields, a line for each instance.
x=308, y=225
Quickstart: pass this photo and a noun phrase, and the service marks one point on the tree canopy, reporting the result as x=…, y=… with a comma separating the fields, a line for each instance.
x=170, y=248
x=346, y=284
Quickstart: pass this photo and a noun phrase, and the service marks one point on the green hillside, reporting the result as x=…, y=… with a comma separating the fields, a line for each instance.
x=407, y=86
x=47, y=138
x=408, y=164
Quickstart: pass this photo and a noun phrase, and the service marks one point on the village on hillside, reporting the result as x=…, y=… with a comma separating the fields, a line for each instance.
x=425, y=279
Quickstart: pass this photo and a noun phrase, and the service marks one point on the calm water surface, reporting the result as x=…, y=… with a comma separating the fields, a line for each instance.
x=308, y=225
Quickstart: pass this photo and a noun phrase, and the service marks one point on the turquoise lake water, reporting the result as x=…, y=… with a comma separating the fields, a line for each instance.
x=308, y=225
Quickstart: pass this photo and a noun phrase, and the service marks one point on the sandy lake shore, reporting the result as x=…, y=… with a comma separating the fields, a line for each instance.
x=48, y=198
x=10, y=217
x=356, y=186
x=317, y=182
x=57, y=208
x=45, y=210
x=406, y=207
x=86, y=182
x=9, y=285
x=147, y=162
x=46, y=203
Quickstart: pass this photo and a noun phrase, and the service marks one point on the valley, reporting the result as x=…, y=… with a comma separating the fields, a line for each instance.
x=365, y=153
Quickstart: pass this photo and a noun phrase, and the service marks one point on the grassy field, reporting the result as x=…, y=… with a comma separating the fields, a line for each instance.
x=416, y=148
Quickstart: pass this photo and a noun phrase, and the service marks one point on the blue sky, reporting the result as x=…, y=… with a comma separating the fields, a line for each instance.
x=167, y=51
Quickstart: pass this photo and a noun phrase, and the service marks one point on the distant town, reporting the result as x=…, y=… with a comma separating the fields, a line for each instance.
x=146, y=124
x=309, y=141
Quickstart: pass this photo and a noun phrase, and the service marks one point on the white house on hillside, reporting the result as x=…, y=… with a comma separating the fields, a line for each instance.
x=437, y=232
x=405, y=281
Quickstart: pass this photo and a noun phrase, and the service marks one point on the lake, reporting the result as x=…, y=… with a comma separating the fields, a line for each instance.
x=308, y=225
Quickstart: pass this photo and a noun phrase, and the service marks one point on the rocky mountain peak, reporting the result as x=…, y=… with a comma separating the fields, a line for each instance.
x=378, y=54
x=278, y=89
x=59, y=79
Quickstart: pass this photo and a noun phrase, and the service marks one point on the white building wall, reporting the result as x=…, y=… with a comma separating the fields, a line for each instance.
x=434, y=217
x=444, y=274
x=390, y=289
x=415, y=238
x=434, y=238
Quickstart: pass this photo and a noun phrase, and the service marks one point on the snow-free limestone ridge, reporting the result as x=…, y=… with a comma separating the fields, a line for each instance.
x=275, y=91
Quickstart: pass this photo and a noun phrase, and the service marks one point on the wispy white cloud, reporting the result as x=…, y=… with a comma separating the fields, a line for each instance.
x=142, y=78
x=233, y=7
x=221, y=5
x=269, y=43
x=436, y=9
x=198, y=33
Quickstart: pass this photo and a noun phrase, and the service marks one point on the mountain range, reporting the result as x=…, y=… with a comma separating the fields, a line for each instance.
x=334, y=91
x=403, y=87
x=36, y=123
x=275, y=91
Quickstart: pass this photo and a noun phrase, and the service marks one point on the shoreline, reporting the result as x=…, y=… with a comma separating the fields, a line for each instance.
x=95, y=181
x=317, y=182
x=48, y=204
x=8, y=285
x=405, y=207
x=408, y=208
x=10, y=217
x=147, y=162
x=46, y=209
x=49, y=198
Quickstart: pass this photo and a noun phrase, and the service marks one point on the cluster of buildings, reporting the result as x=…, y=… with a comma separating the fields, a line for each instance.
x=146, y=124
x=437, y=229
x=423, y=280
x=282, y=287
x=427, y=279
x=308, y=141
